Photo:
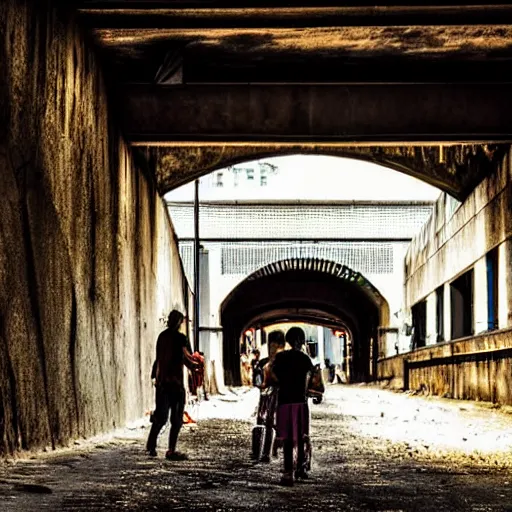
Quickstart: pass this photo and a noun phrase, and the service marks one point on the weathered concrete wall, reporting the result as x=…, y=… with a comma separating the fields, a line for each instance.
x=88, y=261
x=448, y=246
x=391, y=370
x=477, y=367
x=471, y=368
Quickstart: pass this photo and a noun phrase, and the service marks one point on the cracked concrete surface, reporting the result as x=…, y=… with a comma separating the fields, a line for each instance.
x=373, y=450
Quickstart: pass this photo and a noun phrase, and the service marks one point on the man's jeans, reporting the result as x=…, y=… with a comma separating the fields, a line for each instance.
x=167, y=399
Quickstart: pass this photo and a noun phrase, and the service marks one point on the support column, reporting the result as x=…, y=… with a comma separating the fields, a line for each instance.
x=328, y=344
x=215, y=273
x=505, y=284
x=257, y=338
x=431, y=319
x=196, y=266
x=447, y=312
x=480, y=297
x=320, y=345
x=204, y=300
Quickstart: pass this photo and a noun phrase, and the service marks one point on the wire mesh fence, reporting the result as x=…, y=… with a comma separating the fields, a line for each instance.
x=363, y=236
x=246, y=257
x=300, y=221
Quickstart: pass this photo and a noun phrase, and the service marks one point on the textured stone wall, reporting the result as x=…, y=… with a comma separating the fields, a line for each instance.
x=88, y=259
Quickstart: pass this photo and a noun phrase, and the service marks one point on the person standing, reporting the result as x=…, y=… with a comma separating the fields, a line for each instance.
x=291, y=369
x=276, y=344
x=245, y=367
x=257, y=369
x=172, y=353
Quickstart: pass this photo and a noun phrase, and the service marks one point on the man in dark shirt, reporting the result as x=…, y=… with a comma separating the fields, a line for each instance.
x=291, y=369
x=172, y=352
x=257, y=369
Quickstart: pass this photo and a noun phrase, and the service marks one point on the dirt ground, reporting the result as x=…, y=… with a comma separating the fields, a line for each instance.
x=373, y=450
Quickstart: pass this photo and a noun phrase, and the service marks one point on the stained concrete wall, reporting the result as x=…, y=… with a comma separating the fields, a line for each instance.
x=88, y=260
x=449, y=246
x=477, y=367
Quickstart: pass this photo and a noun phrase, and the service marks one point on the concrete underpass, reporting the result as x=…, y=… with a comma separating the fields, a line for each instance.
x=109, y=106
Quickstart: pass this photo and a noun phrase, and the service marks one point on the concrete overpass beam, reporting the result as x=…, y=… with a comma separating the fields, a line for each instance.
x=313, y=113
x=278, y=15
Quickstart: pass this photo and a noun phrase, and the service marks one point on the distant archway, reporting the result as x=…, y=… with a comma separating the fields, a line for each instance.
x=304, y=289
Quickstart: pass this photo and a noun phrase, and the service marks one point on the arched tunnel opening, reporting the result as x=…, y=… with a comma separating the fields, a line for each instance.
x=311, y=291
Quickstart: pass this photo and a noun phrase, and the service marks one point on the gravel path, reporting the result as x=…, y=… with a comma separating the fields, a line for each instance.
x=373, y=450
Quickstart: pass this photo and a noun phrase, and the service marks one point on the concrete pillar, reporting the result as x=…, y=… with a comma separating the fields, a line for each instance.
x=257, y=337
x=216, y=365
x=396, y=301
x=320, y=345
x=204, y=303
x=336, y=350
x=480, y=320
x=215, y=272
x=431, y=319
x=210, y=341
x=342, y=350
x=447, y=313
x=328, y=346
x=505, y=284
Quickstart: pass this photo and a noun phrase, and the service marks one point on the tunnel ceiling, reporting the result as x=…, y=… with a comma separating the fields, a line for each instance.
x=306, y=315
x=199, y=85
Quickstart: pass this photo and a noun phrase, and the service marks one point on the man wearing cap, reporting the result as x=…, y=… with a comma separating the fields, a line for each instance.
x=172, y=352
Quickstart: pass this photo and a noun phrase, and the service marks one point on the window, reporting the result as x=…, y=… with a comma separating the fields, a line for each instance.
x=440, y=314
x=461, y=295
x=236, y=174
x=419, y=324
x=219, y=182
x=250, y=174
x=263, y=180
x=492, y=289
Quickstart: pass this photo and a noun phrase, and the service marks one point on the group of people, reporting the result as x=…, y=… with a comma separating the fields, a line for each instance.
x=250, y=367
x=287, y=378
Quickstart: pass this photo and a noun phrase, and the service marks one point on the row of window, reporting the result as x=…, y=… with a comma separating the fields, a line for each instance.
x=461, y=306
x=219, y=177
